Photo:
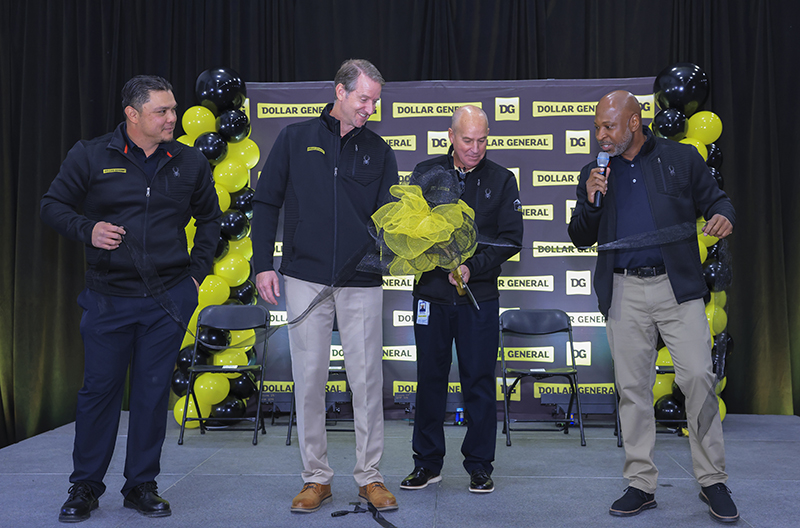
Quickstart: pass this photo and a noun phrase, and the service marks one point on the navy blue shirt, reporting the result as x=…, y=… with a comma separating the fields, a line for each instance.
x=634, y=215
x=148, y=164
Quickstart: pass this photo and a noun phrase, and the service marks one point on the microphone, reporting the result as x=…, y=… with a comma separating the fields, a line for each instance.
x=602, y=162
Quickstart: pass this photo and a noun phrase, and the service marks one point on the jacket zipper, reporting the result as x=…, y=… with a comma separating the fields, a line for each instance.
x=661, y=170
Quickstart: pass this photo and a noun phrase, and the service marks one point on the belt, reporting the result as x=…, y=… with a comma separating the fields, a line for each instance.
x=645, y=271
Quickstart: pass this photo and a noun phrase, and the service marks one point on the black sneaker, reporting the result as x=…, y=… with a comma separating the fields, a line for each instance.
x=632, y=503
x=481, y=482
x=79, y=505
x=144, y=499
x=720, y=505
x=419, y=478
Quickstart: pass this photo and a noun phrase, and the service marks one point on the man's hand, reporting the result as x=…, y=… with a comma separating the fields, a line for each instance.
x=107, y=236
x=597, y=182
x=268, y=286
x=718, y=226
x=464, y=275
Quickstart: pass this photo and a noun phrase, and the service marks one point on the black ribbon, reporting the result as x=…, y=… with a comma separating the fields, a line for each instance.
x=380, y=519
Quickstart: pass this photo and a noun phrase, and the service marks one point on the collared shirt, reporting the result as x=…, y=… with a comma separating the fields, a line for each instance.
x=634, y=215
x=148, y=164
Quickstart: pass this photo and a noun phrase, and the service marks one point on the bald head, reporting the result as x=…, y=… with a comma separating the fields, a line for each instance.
x=468, y=115
x=469, y=134
x=618, y=124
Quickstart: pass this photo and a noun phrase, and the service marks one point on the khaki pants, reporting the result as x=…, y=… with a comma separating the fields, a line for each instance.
x=640, y=309
x=359, y=313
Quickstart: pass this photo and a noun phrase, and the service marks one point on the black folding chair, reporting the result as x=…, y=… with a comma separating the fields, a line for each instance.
x=230, y=317
x=538, y=323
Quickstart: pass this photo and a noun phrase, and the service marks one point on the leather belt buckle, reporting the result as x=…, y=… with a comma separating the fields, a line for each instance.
x=644, y=271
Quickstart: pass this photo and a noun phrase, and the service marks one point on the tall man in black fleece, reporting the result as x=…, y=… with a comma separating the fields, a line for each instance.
x=441, y=315
x=330, y=174
x=137, y=189
x=651, y=184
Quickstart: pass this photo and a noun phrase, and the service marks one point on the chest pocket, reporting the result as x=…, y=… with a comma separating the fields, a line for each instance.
x=171, y=182
x=366, y=165
x=671, y=180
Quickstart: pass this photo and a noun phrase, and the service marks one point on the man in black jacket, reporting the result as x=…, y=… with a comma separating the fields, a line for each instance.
x=653, y=184
x=137, y=190
x=441, y=315
x=330, y=174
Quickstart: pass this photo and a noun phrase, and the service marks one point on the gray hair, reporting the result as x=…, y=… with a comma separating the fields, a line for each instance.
x=136, y=91
x=351, y=69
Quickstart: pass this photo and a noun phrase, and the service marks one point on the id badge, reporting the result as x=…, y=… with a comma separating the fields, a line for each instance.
x=423, y=311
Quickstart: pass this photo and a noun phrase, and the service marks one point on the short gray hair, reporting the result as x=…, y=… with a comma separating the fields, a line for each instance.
x=351, y=69
x=136, y=91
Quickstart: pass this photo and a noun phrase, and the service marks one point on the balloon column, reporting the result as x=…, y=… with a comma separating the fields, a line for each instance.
x=680, y=91
x=219, y=128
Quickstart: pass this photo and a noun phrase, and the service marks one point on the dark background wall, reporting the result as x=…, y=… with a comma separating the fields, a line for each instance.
x=63, y=63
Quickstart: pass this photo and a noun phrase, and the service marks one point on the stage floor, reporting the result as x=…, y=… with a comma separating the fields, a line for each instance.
x=544, y=479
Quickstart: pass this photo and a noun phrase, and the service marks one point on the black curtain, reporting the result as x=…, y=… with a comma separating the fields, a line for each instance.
x=63, y=63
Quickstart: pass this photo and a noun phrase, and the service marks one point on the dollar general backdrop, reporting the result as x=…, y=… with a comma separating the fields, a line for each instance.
x=540, y=130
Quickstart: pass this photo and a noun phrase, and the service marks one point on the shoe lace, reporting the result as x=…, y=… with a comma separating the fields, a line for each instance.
x=80, y=490
x=309, y=485
x=146, y=487
x=376, y=485
x=720, y=487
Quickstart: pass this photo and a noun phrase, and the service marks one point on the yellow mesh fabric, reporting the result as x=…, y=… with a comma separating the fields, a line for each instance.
x=422, y=238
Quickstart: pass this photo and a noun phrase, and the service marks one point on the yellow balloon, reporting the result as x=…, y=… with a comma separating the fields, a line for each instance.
x=721, y=385
x=231, y=174
x=247, y=152
x=662, y=386
x=719, y=298
x=664, y=358
x=177, y=412
x=705, y=126
x=233, y=269
x=243, y=339
x=214, y=290
x=231, y=357
x=701, y=148
x=723, y=409
x=717, y=318
x=703, y=250
x=243, y=247
x=186, y=140
x=223, y=196
x=198, y=120
x=211, y=388
x=190, y=229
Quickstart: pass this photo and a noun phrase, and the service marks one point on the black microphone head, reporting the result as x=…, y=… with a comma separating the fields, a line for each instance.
x=602, y=159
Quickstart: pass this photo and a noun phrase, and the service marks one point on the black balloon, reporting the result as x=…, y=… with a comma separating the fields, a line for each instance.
x=220, y=89
x=213, y=147
x=185, y=358
x=236, y=302
x=214, y=338
x=717, y=176
x=712, y=273
x=252, y=357
x=234, y=225
x=683, y=86
x=230, y=407
x=713, y=253
x=222, y=248
x=233, y=126
x=724, y=339
x=242, y=200
x=677, y=394
x=714, y=156
x=245, y=292
x=668, y=410
x=671, y=124
x=244, y=386
x=180, y=382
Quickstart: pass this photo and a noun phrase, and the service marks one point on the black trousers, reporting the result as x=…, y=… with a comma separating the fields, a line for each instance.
x=476, y=336
x=118, y=332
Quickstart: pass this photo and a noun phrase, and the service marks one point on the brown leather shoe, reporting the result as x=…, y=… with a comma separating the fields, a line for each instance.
x=312, y=497
x=378, y=495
